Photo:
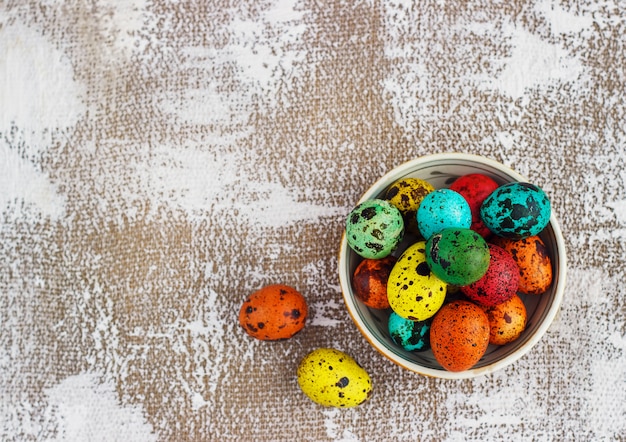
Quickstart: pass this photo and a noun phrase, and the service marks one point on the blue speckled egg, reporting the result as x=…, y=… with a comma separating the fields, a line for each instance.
x=410, y=335
x=441, y=209
x=374, y=229
x=516, y=210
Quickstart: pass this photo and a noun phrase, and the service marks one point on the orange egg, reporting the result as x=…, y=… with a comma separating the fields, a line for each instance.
x=533, y=259
x=507, y=320
x=459, y=335
x=273, y=312
x=370, y=281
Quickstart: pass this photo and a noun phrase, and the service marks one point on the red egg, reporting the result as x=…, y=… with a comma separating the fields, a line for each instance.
x=475, y=188
x=533, y=260
x=459, y=335
x=500, y=282
x=370, y=281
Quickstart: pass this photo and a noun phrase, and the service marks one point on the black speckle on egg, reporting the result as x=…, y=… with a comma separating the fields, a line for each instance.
x=378, y=234
x=422, y=269
x=343, y=382
x=368, y=213
x=518, y=211
x=529, y=186
x=393, y=191
x=507, y=224
x=374, y=246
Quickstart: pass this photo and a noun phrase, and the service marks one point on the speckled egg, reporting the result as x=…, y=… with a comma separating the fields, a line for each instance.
x=459, y=335
x=407, y=194
x=374, y=228
x=507, y=320
x=332, y=378
x=414, y=292
x=533, y=261
x=499, y=283
x=475, y=188
x=274, y=312
x=369, y=281
x=516, y=210
x=458, y=256
x=410, y=335
x=441, y=209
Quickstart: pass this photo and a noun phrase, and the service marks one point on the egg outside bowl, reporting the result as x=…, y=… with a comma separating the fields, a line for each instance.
x=441, y=170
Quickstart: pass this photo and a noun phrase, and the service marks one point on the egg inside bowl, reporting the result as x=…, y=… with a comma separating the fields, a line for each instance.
x=441, y=170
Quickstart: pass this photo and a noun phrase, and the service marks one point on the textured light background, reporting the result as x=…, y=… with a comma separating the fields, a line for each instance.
x=160, y=160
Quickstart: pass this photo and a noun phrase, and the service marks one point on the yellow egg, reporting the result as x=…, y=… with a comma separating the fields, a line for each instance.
x=407, y=194
x=413, y=291
x=333, y=379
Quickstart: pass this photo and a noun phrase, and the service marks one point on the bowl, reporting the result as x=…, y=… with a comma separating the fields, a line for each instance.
x=441, y=170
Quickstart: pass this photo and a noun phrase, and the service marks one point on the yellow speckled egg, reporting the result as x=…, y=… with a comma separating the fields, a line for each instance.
x=413, y=291
x=407, y=194
x=331, y=378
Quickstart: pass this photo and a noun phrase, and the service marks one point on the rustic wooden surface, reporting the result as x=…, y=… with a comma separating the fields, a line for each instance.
x=160, y=160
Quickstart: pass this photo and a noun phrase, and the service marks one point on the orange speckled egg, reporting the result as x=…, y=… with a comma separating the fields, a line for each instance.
x=459, y=335
x=533, y=259
x=506, y=320
x=370, y=281
x=273, y=312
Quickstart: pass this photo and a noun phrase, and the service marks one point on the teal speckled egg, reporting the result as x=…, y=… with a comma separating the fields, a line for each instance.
x=374, y=228
x=410, y=335
x=440, y=209
x=516, y=210
x=458, y=256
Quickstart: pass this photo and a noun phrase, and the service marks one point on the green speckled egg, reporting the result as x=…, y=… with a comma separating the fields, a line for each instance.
x=331, y=378
x=374, y=228
x=414, y=292
x=458, y=256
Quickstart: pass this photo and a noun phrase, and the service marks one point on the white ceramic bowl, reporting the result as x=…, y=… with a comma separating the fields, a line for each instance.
x=440, y=170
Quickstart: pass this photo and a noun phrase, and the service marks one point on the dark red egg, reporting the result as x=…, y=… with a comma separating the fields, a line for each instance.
x=500, y=282
x=475, y=188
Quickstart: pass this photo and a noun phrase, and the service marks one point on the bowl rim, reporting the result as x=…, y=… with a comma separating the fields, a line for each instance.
x=350, y=301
